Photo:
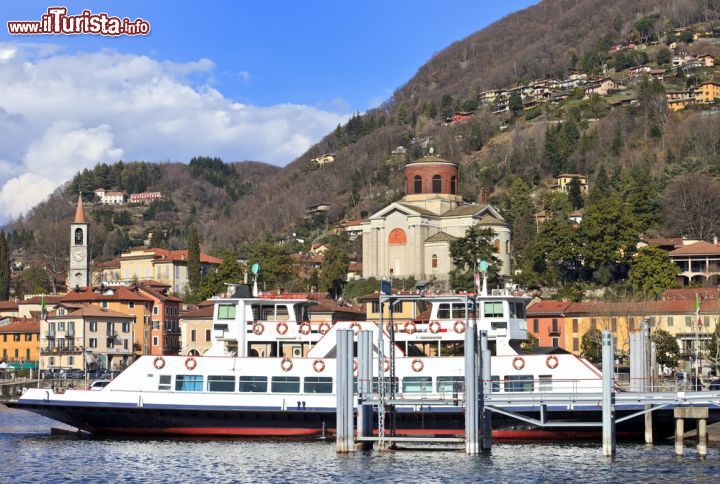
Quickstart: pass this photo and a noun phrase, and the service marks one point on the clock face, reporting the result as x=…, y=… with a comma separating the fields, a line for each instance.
x=79, y=255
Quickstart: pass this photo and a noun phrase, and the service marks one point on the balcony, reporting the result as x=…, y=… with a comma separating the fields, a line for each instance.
x=554, y=331
x=61, y=351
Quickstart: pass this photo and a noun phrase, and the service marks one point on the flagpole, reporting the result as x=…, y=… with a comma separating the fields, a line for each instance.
x=697, y=340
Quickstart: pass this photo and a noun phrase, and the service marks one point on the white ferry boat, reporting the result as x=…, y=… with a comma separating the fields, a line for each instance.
x=270, y=372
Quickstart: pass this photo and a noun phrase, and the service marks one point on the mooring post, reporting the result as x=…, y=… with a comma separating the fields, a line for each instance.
x=471, y=392
x=344, y=392
x=486, y=390
x=702, y=437
x=679, y=435
x=608, y=395
x=365, y=360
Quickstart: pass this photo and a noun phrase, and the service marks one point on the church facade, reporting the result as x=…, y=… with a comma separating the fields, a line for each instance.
x=411, y=237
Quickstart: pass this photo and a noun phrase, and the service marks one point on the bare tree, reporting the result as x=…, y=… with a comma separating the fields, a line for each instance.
x=689, y=205
x=52, y=243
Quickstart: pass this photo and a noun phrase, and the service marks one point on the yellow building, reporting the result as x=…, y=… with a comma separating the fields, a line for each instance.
x=401, y=310
x=563, y=181
x=20, y=341
x=707, y=92
x=196, y=330
x=166, y=266
x=8, y=309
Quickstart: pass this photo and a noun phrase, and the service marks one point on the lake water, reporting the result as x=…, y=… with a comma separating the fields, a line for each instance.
x=30, y=454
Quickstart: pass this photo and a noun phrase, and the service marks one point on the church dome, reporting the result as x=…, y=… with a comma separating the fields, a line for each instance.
x=431, y=175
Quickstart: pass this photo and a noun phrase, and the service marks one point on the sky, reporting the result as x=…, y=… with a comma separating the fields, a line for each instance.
x=240, y=80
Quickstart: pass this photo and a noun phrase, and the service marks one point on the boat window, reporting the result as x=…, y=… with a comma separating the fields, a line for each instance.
x=512, y=309
x=165, y=383
x=520, y=310
x=188, y=383
x=285, y=384
x=226, y=311
x=252, y=384
x=417, y=384
x=519, y=383
x=387, y=384
x=495, y=383
x=318, y=384
x=422, y=348
x=221, y=383
x=450, y=384
x=545, y=383
x=458, y=311
x=281, y=313
x=452, y=348
x=493, y=310
x=443, y=311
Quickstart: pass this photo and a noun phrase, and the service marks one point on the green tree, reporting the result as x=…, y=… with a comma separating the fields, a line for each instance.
x=276, y=265
x=401, y=116
x=520, y=214
x=446, y=106
x=557, y=246
x=652, y=271
x=639, y=190
x=607, y=234
x=591, y=346
x=32, y=280
x=193, y=265
x=477, y=245
x=648, y=27
x=713, y=349
x=667, y=350
x=230, y=271
x=515, y=103
x=333, y=272
x=663, y=56
x=4, y=269
x=575, y=194
x=122, y=218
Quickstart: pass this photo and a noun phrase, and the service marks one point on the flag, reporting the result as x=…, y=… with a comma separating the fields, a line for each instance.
x=697, y=309
x=43, y=311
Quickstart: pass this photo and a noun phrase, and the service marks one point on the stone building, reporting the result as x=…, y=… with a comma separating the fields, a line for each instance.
x=411, y=237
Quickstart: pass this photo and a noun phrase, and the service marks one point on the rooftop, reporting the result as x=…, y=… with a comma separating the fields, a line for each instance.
x=698, y=248
x=22, y=326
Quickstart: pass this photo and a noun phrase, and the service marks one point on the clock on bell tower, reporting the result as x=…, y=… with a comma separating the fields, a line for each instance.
x=78, y=275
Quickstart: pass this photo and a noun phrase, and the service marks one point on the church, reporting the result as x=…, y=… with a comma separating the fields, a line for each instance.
x=411, y=237
x=79, y=271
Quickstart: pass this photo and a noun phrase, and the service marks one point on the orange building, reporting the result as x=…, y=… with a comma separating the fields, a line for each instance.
x=165, y=318
x=20, y=342
x=546, y=320
x=121, y=299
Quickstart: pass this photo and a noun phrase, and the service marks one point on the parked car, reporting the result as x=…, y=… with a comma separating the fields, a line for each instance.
x=75, y=374
x=53, y=374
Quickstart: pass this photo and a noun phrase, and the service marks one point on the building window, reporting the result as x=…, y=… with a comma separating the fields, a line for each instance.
x=208, y=335
x=155, y=309
x=575, y=325
x=126, y=327
x=192, y=335
x=688, y=321
x=27, y=354
x=507, y=246
x=613, y=324
x=125, y=344
x=433, y=260
x=436, y=184
x=555, y=326
x=93, y=342
x=71, y=360
x=631, y=324
x=16, y=337
x=78, y=237
x=536, y=326
x=375, y=307
x=104, y=304
x=17, y=353
x=51, y=361
x=497, y=246
x=418, y=184
x=155, y=340
x=670, y=321
x=555, y=342
x=453, y=185
x=593, y=324
x=706, y=321
x=131, y=305
x=576, y=344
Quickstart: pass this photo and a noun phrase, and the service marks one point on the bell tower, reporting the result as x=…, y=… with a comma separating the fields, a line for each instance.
x=78, y=274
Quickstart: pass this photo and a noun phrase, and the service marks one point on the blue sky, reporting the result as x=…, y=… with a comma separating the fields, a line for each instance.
x=239, y=80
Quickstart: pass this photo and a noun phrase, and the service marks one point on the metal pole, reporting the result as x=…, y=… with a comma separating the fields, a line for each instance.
x=344, y=392
x=471, y=393
x=381, y=379
x=608, y=395
x=486, y=374
x=365, y=412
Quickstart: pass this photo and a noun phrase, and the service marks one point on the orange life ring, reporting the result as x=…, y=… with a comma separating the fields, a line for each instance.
x=305, y=328
x=318, y=366
x=281, y=327
x=286, y=364
x=410, y=327
x=552, y=362
x=355, y=327
x=434, y=327
x=386, y=360
x=417, y=365
x=159, y=363
x=518, y=363
x=258, y=328
x=324, y=328
x=190, y=363
x=459, y=326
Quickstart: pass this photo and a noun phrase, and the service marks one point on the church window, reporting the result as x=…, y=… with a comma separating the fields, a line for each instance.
x=507, y=246
x=453, y=185
x=437, y=184
x=497, y=246
x=397, y=237
x=434, y=261
x=418, y=184
x=78, y=237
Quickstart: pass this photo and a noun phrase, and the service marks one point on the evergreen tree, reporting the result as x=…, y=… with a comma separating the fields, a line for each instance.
x=557, y=245
x=591, y=346
x=4, y=269
x=230, y=271
x=667, y=350
x=607, y=233
x=276, y=265
x=652, y=271
x=600, y=188
x=515, y=104
x=446, y=106
x=333, y=272
x=575, y=194
x=520, y=213
x=193, y=265
x=401, y=116
x=477, y=245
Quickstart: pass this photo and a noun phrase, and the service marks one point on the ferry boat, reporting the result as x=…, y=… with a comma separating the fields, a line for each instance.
x=271, y=372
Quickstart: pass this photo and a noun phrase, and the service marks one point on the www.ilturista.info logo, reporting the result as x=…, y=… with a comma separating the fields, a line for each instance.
x=56, y=21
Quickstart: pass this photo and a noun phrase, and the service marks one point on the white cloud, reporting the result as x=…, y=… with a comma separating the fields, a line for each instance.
x=62, y=112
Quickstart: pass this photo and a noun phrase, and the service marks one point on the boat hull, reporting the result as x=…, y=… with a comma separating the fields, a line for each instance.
x=158, y=421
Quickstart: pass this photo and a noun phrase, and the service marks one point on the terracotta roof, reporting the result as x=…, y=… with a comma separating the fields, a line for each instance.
x=440, y=237
x=201, y=312
x=120, y=293
x=8, y=305
x=182, y=255
x=89, y=310
x=431, y=159
x=38, y=300
x=632, y=308
x=207, y=302
x=690, y=292
x=79, y=211
x=22, y=326
x=111, y=264
x=698, y=248
x=159, y=295
x=550, y=306
x=664, y=241
x=331, y=308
